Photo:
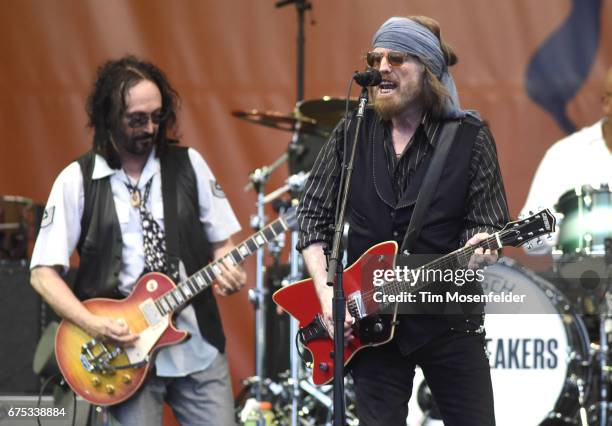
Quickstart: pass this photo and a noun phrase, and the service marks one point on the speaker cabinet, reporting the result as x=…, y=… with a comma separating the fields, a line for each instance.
x=21, y=317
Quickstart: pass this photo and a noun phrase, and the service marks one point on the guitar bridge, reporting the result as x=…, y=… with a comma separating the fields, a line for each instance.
x=314, y=330
x=99, y=362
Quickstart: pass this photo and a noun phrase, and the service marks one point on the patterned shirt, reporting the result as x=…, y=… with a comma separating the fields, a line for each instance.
x=487, y=206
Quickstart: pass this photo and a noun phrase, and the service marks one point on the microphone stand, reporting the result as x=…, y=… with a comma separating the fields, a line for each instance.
x=334, y=276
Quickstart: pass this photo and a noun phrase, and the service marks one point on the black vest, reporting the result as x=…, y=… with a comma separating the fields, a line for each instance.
x=374, y=215
x=100, y=245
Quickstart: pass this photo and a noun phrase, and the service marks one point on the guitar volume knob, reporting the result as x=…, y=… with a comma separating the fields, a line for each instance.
x=95, y=381
x=323, y=366
x=110, y=389
x=127, y=379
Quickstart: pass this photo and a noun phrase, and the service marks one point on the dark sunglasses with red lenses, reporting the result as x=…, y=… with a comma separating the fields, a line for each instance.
x=136, y=120
x=395, y=59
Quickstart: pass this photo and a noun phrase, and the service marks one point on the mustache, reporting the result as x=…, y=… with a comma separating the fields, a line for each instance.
x=143, y=136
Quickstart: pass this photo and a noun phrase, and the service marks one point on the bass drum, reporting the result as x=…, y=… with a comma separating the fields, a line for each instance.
x=538, y=360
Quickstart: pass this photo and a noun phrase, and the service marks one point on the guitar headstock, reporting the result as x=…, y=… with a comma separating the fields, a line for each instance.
x=519, y=232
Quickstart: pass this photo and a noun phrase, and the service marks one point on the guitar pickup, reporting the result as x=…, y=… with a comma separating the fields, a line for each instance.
x=150, y=312
x=314, y=330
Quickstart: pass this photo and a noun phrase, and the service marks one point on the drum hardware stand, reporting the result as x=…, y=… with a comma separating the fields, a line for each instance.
x=294, y=357
x=605, y=333
x=257, y=295
x=260, y=176
x=301, y=6
x=581, y=403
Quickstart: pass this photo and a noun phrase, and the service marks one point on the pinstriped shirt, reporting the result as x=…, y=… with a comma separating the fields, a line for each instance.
x=487, y=206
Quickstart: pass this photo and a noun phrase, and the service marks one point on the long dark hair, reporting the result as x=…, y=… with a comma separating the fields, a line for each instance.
x=106, y=104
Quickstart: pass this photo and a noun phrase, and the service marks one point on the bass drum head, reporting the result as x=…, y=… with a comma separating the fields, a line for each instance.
x=534, y=358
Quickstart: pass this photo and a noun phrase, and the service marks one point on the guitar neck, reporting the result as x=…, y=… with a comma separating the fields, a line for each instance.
x=186, y=290
x=456, y=259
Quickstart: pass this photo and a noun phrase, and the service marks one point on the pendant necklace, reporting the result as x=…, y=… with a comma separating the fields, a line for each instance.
x=135, y=197
x=134, y=192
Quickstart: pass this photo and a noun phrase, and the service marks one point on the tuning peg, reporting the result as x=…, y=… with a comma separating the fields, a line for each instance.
x=530, y=212
x=529, y=246
x=539, y=241
x=549, y=237
x=521, y=216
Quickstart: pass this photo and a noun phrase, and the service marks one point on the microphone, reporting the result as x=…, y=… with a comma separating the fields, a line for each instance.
x=371, y=77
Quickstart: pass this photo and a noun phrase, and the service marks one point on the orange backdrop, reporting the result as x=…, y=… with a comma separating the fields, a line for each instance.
x=240, y=54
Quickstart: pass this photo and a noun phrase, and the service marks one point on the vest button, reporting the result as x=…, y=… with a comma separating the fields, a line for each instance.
x=392, y=214
x=395, y=233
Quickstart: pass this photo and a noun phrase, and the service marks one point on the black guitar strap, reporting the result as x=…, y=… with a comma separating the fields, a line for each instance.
x=169, y=191
x=86, y=162
x=449, y=134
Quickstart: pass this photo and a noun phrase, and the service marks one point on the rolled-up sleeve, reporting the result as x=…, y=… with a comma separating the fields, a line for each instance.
x=487, y=206
x=316, y=210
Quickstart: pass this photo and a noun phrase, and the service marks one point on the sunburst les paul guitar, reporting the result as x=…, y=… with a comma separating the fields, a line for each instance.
x=371, y=328
x=106, y=374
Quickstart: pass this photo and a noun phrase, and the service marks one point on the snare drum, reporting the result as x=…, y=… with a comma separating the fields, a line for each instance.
x=15, y=217
x=537, y=360
x=587, y=220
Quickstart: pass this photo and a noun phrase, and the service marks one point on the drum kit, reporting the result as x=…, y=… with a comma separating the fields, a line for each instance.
x=552, y=366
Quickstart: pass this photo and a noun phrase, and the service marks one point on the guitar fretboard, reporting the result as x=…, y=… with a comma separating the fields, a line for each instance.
x=456, y=259
x=201, y=280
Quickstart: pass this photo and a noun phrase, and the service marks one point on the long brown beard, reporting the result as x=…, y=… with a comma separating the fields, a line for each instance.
x=388, y=108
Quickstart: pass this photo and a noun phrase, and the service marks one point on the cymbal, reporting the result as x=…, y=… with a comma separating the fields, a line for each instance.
x=326, y=112
x=278, y=120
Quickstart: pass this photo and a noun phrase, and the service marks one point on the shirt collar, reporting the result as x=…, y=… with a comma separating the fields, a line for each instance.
x=102, y=169
x=428, y=126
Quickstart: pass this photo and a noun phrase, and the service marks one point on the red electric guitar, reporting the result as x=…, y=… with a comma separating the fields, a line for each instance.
x=106, y=374
x=371, y=328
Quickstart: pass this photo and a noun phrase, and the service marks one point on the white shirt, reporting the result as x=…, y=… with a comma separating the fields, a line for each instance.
x=582, y=158
x=61, y=228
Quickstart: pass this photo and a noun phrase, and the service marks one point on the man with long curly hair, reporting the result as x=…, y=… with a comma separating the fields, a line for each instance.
x=110, y=205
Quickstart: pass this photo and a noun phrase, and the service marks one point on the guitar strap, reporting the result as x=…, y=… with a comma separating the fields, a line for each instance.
x=169, y=191
x=469, y=129
x=86, y=162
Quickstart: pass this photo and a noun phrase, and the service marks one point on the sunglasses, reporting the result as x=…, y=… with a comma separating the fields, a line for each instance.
x=137, y=120
x=395, y=59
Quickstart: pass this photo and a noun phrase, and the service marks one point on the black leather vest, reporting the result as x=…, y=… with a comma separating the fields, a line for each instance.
x=100, y=246
x=375, y=216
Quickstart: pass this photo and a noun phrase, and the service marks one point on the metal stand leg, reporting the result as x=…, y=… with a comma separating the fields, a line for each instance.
x=605, y=331
x=294, y=357
x=256, y=295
